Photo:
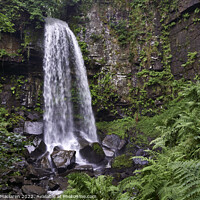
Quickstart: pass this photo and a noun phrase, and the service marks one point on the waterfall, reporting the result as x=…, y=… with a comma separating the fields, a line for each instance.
x=68, y=114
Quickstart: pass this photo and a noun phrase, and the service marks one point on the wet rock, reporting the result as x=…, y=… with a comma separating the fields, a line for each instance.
x=28, y=182
x=53, y=185
x=122, y=144
x=83, y=142
x=93, y=153
x=108, y=152
x=44, y=183
x=140, y=161
x=36, y=150
x=33, y=128
x=19, y=130
x=33, y=190
x=37, y=173
x=63, y=159
x=111, y=141
x=45, y=162
x=31, y=172
x=43, y=173
x=62, y=182
x=58, y=183
x=141, y=152
x=17, y=180
x=84, y=168
x=5, y=189
x=21, y=165
x=33, y=116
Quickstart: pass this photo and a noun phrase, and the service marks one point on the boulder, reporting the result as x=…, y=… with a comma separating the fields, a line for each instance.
x=122, y=144
x=82, y=142
x=33, y=172
x=140, y=161
x=36, y=150
x=58, y=183
x=93, y=153
x=141, y=152
x=33, y=190
x=33, y=128
x=63, y=159
x=45, y=161
x=33, y=116
x=111, y=141
x=108, y=152
x=19, y=130
x=114, y=142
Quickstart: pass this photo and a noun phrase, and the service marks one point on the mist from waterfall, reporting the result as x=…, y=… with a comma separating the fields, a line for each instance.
x=68, y=114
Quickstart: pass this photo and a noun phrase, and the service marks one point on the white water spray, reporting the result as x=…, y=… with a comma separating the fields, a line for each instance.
x=68, y=115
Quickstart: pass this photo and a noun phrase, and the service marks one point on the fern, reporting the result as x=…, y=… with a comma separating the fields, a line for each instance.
x=187, y=174
x=100, y=187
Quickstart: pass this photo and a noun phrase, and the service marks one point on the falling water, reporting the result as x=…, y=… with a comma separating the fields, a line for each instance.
x=68, y=112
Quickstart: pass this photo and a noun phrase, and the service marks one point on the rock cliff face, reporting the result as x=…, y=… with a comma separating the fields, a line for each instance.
x=104, y=50
x=109, y=55
x=106, y=33
x=21, y=81
x=184, y=39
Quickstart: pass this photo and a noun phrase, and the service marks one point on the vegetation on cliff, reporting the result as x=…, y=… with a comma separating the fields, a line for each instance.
x=159, y=106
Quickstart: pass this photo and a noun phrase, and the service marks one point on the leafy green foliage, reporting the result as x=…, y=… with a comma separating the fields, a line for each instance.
x=5, y=24
x=173, y=172
x=16, y=14
x=122, y=161
x=103, y=92
x=11, y=144
x=191, y=59
x=81, y=185
x=119, y=127
x=121, y=29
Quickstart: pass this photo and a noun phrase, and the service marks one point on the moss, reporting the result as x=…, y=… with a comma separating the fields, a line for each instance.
x=119, y=127
x=122, y=161
x=98, y=149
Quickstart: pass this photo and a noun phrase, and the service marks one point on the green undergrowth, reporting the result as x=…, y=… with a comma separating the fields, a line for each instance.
x=82, y=186
x=173, y=170
x=11, y=144
x=118, y=127
x=123, y=161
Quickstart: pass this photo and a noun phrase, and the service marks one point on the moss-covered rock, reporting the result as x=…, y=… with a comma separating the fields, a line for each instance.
x=98, y=149
x=122, y=161
x=93, y=153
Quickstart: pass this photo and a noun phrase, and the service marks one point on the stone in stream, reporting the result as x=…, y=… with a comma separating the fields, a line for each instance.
x=63, y=159
x=45, y=163
x=108, y=152
x=82, y=168
x=93, y=153
x=33, y=128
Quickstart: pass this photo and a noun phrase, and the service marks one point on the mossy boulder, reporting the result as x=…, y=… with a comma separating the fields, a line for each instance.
x=98, y=149
x=122, y=161
x=93, y=153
